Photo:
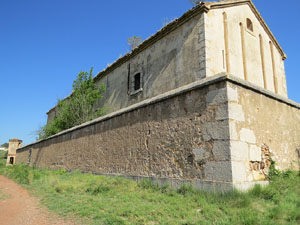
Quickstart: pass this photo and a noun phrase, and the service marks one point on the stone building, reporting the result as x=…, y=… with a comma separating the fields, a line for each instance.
x=214, y=37
x=14, y=144
x=203, y=101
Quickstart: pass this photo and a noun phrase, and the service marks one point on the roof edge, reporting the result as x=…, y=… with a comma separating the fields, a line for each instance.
x=155, y=37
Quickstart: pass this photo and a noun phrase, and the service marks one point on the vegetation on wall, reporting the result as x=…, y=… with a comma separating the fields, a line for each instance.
x=78, y=108
x=134, y=41
x=195, y=2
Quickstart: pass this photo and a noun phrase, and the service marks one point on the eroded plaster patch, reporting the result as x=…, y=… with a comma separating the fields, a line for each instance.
x=259, y=168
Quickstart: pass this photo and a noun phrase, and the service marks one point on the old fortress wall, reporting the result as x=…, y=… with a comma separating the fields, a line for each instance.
x=217, y=133
x=203, y=101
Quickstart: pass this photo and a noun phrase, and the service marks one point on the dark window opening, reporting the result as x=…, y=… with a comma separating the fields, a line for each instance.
x=137, y=81
x=249, y=25
x=11, y=160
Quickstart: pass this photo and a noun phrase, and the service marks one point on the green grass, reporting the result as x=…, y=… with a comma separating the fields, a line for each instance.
x=115, y=200
x=2, y=164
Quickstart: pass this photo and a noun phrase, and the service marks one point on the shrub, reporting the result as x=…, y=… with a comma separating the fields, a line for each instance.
x=78, y=108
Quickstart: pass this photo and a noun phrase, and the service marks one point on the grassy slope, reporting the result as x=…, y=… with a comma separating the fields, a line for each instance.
x=102, y=200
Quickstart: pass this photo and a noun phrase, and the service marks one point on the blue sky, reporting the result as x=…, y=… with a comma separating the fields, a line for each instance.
x=44, y=44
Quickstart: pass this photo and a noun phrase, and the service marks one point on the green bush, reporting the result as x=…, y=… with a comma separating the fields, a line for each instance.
x=78, y=108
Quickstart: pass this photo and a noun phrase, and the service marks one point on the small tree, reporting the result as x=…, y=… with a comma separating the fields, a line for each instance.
x=195, y=2
x=134, y=41
x=5, y=145
x=78, y=108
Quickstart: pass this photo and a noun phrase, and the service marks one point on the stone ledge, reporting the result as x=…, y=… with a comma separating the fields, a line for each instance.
x=235, y=80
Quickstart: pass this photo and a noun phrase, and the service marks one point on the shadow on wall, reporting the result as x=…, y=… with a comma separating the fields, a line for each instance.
x=298, y=154
x=156, y=71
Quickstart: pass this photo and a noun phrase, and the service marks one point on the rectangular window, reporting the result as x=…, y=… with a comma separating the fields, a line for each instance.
x=137, y=81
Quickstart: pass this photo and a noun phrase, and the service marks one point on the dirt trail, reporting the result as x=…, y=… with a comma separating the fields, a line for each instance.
x=19, y=208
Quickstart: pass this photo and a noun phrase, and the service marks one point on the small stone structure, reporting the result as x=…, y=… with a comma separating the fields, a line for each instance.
x=14, y=144
x=203, y=102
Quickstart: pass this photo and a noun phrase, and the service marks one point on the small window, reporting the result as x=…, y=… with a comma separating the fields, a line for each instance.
x=249, y=25
x=137, y=81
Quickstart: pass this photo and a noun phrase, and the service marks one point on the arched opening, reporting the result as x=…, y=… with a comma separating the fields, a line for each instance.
x=249, y=25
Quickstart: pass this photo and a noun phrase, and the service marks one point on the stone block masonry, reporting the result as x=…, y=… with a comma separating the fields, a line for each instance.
x=210, y=134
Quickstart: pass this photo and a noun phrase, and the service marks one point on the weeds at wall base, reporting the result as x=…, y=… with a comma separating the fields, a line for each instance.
x=115, y=200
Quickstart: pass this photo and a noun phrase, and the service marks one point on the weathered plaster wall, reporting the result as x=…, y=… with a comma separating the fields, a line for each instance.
x=171, y=62
x=178, y=137
x=216, y=51
x=263, y=129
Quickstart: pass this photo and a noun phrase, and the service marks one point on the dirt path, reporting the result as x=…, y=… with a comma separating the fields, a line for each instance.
x=17, y=207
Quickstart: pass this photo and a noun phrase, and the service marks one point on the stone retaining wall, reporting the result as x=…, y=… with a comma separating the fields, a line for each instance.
x=206, y=134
